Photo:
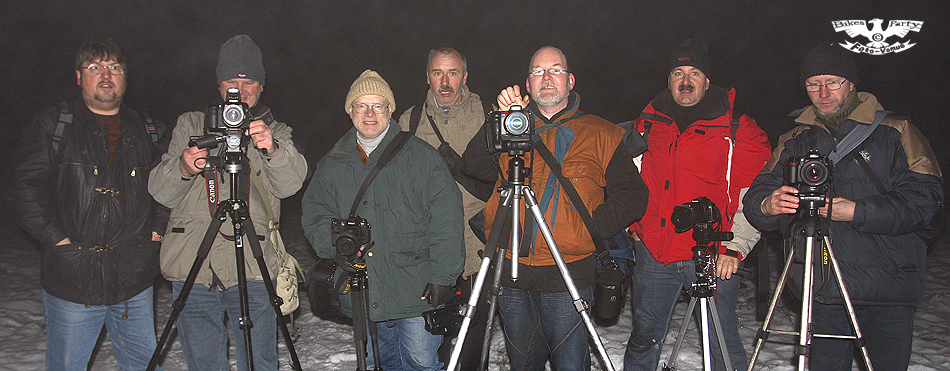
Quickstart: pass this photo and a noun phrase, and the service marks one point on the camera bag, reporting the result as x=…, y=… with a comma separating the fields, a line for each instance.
x=287, y=266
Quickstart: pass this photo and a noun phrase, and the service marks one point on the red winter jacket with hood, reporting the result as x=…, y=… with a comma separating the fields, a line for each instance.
x=713, y=157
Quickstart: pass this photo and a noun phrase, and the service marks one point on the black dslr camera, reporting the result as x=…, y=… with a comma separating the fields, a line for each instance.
x=699, y=210
x=701, y=215
x=349, y=234
x=225, y=122
x=510, y=131
x=812, y=175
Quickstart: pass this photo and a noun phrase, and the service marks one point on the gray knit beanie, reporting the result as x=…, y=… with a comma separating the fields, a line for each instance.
x=369, y=83
x=240, y=57
x=829, y=58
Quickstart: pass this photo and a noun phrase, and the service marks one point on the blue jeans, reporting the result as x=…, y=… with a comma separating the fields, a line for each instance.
x=204, y=338
x=544, y=325
x=656, y=288
x=888, y=332
x=405, y=344
x=72, y=330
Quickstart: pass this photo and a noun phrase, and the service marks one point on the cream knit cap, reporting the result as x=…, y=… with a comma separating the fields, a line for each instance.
x=369, y=83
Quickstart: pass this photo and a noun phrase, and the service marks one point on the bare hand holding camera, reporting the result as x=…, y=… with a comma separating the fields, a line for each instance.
x=261, y=137
x=512, y=96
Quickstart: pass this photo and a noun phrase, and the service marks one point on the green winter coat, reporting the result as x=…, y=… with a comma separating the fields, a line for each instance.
x=414, y=209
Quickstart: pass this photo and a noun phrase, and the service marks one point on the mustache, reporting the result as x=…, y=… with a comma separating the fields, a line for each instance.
x=687, y=88
x=446, y=89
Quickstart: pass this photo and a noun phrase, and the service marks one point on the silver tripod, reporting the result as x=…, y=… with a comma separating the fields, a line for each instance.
x=701, y=290
x=515, y=190
x=811, y=231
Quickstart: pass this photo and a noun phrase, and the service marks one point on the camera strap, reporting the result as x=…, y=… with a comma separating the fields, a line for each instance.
x=856, y=136
x=475, y=187
x=397, y=143
x=601, y=252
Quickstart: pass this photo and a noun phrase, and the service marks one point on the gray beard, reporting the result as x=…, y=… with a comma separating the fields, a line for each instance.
x=554, y=100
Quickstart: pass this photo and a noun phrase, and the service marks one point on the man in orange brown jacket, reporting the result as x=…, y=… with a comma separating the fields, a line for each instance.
x=539, y=317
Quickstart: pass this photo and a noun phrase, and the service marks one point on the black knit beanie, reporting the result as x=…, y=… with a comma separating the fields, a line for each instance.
x=691, y=52
x=240, y=57
x=829, y=58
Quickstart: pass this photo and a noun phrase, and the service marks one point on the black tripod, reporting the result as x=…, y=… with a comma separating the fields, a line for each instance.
x=357, y=283
x=810, y=228
x=237, y=210
x=701, y=290
x=511, y=194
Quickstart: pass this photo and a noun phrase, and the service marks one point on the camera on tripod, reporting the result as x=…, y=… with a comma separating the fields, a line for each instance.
x=225, y=122
x=510, y=131
x=812, y=175
x=703, y=217
x=349, y=234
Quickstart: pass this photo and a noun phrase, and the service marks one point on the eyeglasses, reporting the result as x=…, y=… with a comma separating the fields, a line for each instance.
x=552, y=70
x=831, y=85
x=363, y=107
x=115, y=69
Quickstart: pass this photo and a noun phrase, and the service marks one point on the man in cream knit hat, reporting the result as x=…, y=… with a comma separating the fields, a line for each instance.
x=414, y=209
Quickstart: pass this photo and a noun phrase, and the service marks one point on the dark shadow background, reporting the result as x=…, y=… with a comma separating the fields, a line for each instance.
x=313, y=50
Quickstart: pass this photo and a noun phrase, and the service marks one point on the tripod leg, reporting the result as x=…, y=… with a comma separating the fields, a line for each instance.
x=579, y=303
x=275, y=300
x=359, y=326
x=682, y=334
x=492, y=308
x=373, y=335
x=804, y=337
x=722, y=339
x=470, y=311
x=244, y=322
x=859, y=338
x=763, y=333
x=179, y=302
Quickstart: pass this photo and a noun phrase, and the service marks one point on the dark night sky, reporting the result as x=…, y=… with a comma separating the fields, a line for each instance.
x=314, y=49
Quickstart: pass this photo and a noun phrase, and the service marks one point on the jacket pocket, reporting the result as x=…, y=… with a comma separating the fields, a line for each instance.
x=582, y=170
x=409, y=249
x=72, y=272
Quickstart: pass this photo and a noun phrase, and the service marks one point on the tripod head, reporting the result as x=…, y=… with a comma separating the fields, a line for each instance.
x=704, y=257
x=518, y=171
x=704, y=218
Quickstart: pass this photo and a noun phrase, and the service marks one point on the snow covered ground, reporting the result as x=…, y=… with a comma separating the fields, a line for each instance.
x=324, y=345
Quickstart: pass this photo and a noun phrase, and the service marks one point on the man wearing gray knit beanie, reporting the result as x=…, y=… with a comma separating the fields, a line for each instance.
x=175, y=183
x=414, y=210
x=882, y=191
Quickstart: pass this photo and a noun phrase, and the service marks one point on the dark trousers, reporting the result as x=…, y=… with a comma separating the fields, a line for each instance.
x=888, y=332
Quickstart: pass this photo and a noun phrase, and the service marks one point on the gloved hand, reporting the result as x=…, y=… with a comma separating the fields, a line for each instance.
x=437, y=295
x=349, y=263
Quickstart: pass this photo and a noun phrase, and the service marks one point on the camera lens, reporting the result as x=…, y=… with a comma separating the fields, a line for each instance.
x=347, y=246
x=814, y=173
x=233, y=115
x=516, y=123
x=684, y=217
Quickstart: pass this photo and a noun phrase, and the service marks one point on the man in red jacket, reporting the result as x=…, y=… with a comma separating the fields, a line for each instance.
x=698, y=145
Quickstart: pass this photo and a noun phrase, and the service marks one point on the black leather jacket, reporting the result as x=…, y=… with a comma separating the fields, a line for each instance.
x=102, y=204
